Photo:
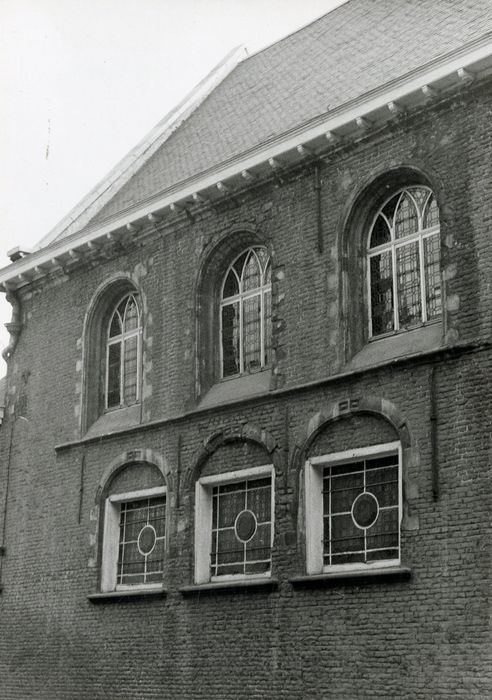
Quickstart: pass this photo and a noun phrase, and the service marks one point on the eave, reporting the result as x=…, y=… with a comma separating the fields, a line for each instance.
x=345, y=123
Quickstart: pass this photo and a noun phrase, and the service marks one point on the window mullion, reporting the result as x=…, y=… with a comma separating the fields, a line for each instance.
x=122, y=364
x=241, y=336
x=106, y=383
x=221, y=341
x=423, y=305
x=139, y=363
x=369, y=296
x=396, y=314
x=262, y=329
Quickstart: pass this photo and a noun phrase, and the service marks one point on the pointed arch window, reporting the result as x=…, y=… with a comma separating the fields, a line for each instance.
x=123, y=349
x=404, y=273
x=245, y=314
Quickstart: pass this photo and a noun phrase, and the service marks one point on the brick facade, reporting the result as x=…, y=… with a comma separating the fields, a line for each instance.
x=423, y=636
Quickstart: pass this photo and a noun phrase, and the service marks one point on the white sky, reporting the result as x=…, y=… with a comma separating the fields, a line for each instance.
x=82, y=81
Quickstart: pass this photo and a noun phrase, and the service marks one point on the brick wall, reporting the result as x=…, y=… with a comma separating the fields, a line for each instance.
x=428, y=636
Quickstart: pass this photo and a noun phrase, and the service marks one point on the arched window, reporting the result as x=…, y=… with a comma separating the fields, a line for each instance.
x=404, y=274
x=123, y=354
x=245, y=313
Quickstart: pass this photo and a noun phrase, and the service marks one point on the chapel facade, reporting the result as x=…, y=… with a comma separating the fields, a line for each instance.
x=246, y=445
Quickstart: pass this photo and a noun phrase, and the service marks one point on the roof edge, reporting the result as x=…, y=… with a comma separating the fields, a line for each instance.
x=427, y=79
x=120, y=174
x=301, y=28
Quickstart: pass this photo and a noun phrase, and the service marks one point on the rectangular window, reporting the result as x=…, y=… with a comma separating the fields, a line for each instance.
x=230, y=338
x=241, y=528
x=234, y=525
x=408, y=284
x=134, y=540
x=114, y=371
x=142, y=541
x=381, y=291
x=353, y=509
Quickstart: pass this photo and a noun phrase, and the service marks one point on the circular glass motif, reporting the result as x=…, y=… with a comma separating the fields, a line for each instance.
x=365, y=510
x=146, y=540
x=245, y=525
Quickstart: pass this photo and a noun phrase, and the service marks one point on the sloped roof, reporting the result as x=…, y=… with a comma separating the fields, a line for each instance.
x=355, y=48
x=360, y=47
x=103, y=191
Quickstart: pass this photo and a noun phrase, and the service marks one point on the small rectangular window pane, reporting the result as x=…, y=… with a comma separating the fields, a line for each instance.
x=230, y=505
x=130, y=370
x=432, y=268
x=241, y=546
x=230, y=339
x=381, y=282
x=408, y=284
x=252, y=333
x=114, y=375
x=260, y=502
x=141, y=541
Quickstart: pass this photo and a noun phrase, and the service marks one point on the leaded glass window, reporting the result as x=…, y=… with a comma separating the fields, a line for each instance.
x=142, y=533
x=361, y=511
x=404, y=271
x=123, y=354
x=245, y=314
x=242, y=528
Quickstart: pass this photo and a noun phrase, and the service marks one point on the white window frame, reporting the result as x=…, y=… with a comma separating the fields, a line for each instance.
x=111, y=538
x=313, y=485
x=391, y=247
x=240, y=299
x=203, y=520
x=121, y=340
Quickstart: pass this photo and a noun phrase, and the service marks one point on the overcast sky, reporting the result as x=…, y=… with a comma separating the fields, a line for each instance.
x=82, y=81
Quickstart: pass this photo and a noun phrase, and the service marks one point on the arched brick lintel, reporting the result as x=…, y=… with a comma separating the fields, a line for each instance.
x=129, y=457
x=243, y=433
x=347, y=407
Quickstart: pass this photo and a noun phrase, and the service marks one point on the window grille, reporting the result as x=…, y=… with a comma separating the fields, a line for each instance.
x=361, y=511
x=245, y=314
x=353, y=509
x=242, y=528
x=404, y=262
x=234, y=524
x=141, y=541
x=123, y=354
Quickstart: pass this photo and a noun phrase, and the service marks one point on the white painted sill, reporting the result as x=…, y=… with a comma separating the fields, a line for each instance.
x=126, y=593
x=231, y=584
x=335, y=578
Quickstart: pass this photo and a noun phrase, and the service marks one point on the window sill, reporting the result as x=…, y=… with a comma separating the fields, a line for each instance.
x=341, y=578
x=116, y=419
x=234, y=388
x=236, y=584
x=390, y=347
x=115, y=596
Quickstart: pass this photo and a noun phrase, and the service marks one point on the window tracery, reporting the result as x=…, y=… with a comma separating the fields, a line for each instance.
x=123, y=354
x=245, y=313
x=404, y=276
